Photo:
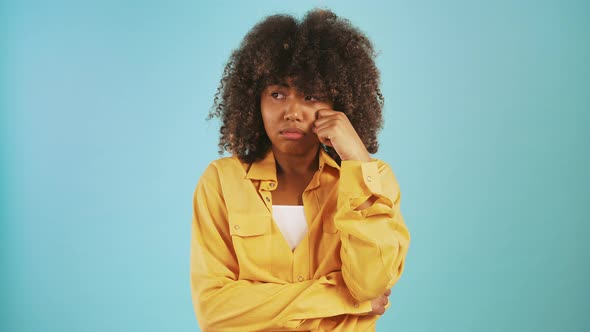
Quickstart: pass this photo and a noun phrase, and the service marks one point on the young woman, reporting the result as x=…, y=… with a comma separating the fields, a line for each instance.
x=300, y=229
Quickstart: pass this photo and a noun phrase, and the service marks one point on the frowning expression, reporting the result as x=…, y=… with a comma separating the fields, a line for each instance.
x=288, y=117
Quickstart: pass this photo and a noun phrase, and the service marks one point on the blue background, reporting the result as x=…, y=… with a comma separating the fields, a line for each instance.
x=103, y=139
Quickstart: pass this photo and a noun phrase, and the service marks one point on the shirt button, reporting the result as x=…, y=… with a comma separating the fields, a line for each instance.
x=272, y=184
x=236, y=227
x=356, y=305
x=300, y=278
x=268, y=199
x=368, y=178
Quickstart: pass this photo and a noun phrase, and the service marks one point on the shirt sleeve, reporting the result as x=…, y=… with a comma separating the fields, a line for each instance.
x=375, y=239
x=224, y=303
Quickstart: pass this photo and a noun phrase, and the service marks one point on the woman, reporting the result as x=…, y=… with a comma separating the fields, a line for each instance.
x=300, y=229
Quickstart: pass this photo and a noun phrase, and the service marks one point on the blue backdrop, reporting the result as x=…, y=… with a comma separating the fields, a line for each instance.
x=103, y=139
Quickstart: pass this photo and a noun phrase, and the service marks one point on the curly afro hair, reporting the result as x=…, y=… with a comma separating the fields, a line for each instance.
x=323, y=54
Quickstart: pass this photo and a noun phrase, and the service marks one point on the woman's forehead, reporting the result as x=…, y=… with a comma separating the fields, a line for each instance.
x=297, y=84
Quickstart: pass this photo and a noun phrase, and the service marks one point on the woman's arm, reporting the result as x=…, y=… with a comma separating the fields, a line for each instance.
x=375, y=239
x=222, y=302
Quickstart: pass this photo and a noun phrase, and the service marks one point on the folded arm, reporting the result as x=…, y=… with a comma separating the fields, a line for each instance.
x=222, y=302
x=374, y=237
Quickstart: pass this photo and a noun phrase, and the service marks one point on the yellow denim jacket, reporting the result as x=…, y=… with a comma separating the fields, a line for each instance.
x=244, y=276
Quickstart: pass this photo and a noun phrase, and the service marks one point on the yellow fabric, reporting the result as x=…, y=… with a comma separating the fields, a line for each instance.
x=244, y=276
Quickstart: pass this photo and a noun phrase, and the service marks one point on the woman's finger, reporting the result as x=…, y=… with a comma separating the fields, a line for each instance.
x=321, y=113
x=326, y=119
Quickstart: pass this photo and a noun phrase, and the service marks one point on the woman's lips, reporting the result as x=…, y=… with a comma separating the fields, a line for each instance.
x=292, y=133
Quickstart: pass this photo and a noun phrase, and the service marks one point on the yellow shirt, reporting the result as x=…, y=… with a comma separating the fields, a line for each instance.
x=244, y=276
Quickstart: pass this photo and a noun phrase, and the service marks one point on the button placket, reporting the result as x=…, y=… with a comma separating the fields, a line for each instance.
x=265, y=192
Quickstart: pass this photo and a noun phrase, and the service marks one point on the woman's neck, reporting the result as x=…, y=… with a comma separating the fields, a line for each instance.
x=301, y=164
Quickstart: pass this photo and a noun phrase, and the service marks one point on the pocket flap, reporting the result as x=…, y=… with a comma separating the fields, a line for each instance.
x=245, y=226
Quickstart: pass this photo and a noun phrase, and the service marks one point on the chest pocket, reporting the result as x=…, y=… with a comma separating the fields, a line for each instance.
x=251, y=237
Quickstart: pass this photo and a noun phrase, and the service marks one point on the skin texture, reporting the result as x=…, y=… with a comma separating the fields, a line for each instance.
x=283, y=108
x=379, y=303
x=335, y=130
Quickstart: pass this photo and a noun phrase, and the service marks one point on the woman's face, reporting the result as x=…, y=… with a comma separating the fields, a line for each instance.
x=288, y=118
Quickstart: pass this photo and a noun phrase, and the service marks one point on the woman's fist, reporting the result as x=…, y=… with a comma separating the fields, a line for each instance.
x=334, y=129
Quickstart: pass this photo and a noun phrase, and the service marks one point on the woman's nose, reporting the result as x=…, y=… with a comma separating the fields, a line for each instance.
x=293, y=111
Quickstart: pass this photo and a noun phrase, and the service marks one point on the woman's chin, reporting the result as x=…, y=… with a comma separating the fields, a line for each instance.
x=296, y=147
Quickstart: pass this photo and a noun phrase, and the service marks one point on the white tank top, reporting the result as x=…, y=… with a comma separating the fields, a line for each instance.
x=290, y=219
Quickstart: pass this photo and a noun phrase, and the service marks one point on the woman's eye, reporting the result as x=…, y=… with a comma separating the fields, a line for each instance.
x=312, y=98
x=277, y=95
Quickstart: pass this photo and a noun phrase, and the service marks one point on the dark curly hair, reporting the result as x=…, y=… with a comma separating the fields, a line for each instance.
x=322, y=54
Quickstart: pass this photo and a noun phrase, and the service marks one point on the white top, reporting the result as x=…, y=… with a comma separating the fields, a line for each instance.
x=291, y=221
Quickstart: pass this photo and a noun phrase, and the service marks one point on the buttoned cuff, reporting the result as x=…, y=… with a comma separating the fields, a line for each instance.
x=359, y=180
x=363, y=307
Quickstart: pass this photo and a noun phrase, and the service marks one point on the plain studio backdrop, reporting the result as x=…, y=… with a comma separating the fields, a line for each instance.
x=103, y=139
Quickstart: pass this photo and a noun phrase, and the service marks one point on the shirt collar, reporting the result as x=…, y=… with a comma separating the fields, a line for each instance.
x=325, y=159
x=266, y=168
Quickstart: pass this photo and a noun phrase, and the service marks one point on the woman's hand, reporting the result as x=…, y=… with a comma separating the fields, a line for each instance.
x=334, y=129
x=379, y=304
